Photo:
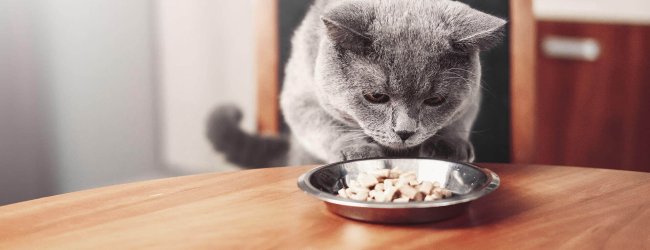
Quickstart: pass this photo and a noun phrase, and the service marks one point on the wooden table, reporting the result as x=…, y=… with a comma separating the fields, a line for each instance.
x=537, y=207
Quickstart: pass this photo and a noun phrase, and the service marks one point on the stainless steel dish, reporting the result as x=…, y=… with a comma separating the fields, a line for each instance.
x=466, y=181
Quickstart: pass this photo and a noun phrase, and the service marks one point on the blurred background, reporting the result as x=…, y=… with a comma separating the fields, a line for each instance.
x=102, y=92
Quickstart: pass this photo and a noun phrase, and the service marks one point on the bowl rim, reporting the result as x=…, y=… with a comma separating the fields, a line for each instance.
x=493, y=183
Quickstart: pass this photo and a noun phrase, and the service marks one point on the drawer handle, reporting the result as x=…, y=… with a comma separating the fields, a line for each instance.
x=584, y=49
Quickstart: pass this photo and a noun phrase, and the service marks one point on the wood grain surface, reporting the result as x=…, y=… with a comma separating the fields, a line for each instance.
x=537, y=207
x=595, y=113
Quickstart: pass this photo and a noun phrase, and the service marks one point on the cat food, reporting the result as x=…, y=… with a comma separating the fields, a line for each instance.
x=391, y=185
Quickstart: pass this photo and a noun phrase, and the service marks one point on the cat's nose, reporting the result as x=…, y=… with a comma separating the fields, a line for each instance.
x=404, y=134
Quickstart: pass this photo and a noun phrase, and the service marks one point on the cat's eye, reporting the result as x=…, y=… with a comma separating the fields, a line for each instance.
x=376, y=98
x=435, y=101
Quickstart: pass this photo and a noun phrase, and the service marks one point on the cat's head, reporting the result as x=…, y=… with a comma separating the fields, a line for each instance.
x=402, y=70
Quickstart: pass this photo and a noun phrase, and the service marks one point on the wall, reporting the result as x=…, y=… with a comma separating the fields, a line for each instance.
x=77, y=99
x=100, y=80
x=25, y=165
x=205, y=59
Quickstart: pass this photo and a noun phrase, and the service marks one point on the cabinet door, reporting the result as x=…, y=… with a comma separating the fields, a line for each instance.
x=595, y=113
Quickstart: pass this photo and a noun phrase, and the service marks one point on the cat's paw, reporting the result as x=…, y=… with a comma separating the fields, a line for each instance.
x=359, y=151
x=452, y=148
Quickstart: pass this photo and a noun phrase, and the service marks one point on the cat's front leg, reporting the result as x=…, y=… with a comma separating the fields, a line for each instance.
x=346, y=148
x=448, y=147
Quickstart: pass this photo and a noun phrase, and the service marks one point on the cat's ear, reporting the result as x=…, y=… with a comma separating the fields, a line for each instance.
x=478, y=30
x=347, y=27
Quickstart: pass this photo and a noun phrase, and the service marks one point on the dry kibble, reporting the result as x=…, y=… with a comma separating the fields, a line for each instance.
x=389, y=183
x=414, y=183
x=366, y=180
x=381, y=173
x=361, y=196
x=389, y=193
x=408, y=191
x=401, y=199
x=400, y=183
x=419, y=196
x=426, y=187
x=357, y=193
x=408, y=176
x=359, y=189
x=394, y=173
x=384, y=185
x=380, y=197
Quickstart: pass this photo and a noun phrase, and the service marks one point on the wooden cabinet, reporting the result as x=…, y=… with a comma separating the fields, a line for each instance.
x=594, y=113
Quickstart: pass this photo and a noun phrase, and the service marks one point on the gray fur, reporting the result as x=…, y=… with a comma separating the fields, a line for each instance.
x=408, y=50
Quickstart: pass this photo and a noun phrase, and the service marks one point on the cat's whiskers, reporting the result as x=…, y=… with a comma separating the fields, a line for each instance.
x=354, y=139
x=348, y=130
x=470, y=73
x=345, y=129
x=464, y=70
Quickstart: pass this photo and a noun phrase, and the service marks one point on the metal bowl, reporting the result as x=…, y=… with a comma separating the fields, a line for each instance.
x=466, y=181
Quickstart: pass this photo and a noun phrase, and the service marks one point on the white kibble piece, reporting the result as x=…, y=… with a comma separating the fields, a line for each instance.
x=389, y=193
x=436, y=184
x=394, y=173
x=428, y=198
x=380, y=197
x=446, y=193
x=379, y=187
x=389, y=183
x=381, y=173
x=414, y=182
x=419, y=196
x=359, y=190
x=426, y=187
x=436, y=196
x=402, y=199
x=360, y=196
x=357, y=193
x=408, y=191
x=400, y=183
x=367, y=180
x=408, y=176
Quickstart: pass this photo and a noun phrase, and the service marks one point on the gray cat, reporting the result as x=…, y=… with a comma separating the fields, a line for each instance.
x=373, y=78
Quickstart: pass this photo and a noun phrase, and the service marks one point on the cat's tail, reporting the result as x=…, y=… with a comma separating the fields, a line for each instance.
x=239, y=147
